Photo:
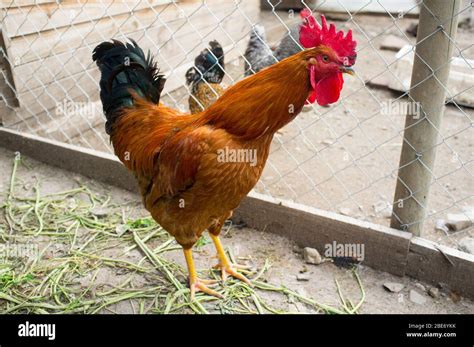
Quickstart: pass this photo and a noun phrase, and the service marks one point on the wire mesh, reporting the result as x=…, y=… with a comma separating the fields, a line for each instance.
x=342, y=158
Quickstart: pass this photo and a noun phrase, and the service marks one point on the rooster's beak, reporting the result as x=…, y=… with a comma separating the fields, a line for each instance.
x=348, y=70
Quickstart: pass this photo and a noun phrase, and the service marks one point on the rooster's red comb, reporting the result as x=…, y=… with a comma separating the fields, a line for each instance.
x=313, y=34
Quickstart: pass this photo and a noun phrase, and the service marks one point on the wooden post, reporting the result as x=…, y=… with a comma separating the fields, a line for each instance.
x=434, y=48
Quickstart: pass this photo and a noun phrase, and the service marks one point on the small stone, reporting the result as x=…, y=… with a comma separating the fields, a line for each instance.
x=420, y=287
x=433, y=292
x=466, y=244
x=99, y=211
x=387, y=213
x=393, y=43
x=326, y=142
x=302, y=277
x=311, y=256
x=417, y=298
x=393, y=287
x=457, y=222
x=71, y=203
x=303, y=269
x=383, y=209
x=346, y=211
x=441, y=225
x=121, y=229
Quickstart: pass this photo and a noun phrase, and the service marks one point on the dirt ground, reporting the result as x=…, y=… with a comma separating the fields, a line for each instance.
x=100, y=269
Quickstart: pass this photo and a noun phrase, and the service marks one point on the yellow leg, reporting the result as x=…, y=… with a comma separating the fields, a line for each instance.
x=196, y=284
x=225, y=265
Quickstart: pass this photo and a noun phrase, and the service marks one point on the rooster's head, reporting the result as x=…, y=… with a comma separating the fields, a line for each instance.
x=334, y=54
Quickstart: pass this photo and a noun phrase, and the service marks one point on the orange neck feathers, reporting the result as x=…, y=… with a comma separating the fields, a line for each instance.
x=264, y=102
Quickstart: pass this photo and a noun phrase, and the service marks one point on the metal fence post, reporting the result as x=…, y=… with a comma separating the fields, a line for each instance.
x=434, y=48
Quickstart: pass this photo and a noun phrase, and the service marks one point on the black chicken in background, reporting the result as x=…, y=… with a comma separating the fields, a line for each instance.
x=205, y=77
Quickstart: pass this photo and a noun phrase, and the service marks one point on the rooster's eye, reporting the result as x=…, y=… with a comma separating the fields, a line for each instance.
x=325, y=58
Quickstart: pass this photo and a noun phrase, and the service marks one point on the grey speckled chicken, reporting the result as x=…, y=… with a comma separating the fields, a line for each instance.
x=259, y=55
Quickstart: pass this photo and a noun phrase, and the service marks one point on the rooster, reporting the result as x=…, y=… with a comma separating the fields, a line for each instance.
x=184, y=182
x=205, y=78
x=259, y=55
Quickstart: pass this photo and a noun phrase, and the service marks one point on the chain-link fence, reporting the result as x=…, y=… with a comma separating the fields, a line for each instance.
x=343, y=158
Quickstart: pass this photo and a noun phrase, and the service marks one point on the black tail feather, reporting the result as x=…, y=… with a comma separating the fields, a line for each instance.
x=125, y=68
